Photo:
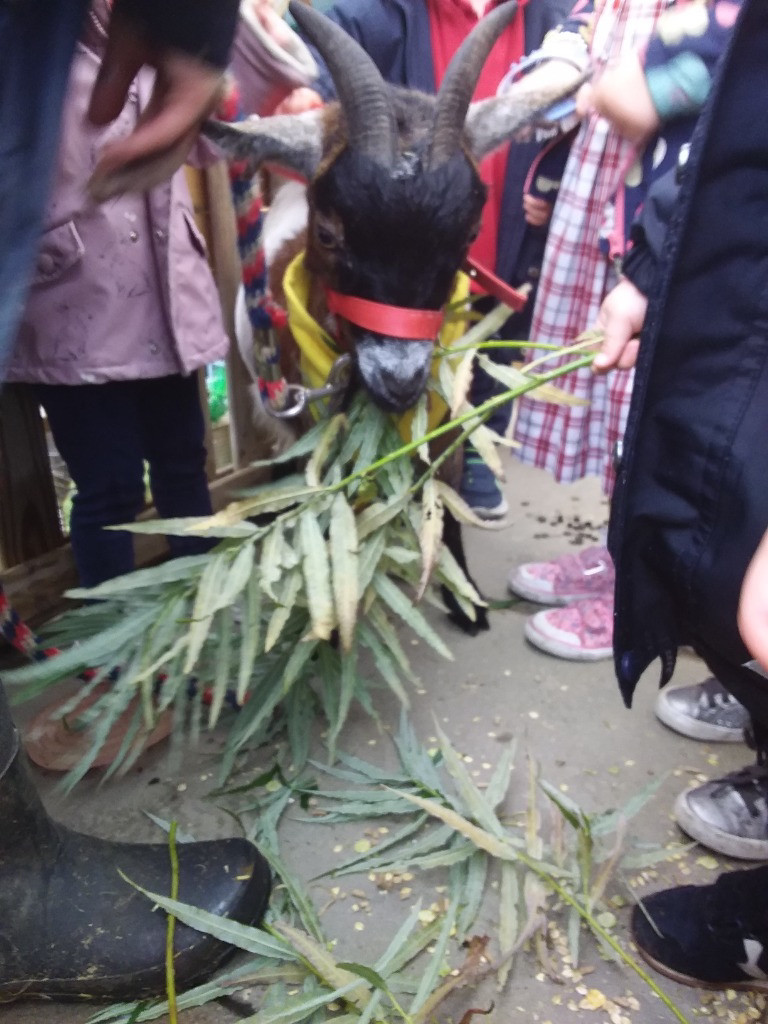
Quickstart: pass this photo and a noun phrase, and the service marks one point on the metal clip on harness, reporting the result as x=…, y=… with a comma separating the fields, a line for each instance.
x=337, y=383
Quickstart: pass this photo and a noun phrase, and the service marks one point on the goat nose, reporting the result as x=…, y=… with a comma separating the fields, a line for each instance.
x=394, y=370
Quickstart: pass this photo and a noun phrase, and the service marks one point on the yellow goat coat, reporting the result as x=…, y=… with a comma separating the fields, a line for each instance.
x=319, y=351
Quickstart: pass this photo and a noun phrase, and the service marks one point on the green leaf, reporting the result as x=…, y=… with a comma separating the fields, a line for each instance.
x=419, y=427
x=451, y=573
x=172, y=571
x=223, y=674
x=344, y=564
x=431, y=973
x=474, y=890
x=384, y=662
x=368, y=973
x=289, y=593
x=369, y=559
x=604, y=823
x=252, y=940
x=462, y=379
x=301, y=447
x=197, y=526
x=430, y=533
x=251, y=636
x=297, y=892
x=316, y=568
x=298, y=1008
x=460, y=510
x=270, y=499
x=498, y=784
x=569, y=809
x=409, y=613
x=509, y=896
x=208, y=590
x=384, y=965
x=394, y=850
x=237, y=577
x=314, y=468
x=473, y=800
x=347, y=687
x=376, y=516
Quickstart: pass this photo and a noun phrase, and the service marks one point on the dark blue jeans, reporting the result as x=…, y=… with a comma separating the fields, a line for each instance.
x=104, y=433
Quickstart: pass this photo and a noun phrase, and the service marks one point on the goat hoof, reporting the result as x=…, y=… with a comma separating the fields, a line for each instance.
x=459, y=617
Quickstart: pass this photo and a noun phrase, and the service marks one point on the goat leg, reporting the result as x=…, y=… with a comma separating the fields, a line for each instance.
x=454, y=541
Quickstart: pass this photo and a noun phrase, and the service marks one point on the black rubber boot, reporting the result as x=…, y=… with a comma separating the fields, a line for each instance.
x=71, y=928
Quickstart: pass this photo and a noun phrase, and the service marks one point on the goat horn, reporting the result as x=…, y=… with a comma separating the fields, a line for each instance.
x=460, y=82
x=362, y=92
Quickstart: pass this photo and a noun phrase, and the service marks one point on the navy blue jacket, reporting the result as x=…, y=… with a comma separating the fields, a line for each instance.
x=396, y=35
x=691, y=501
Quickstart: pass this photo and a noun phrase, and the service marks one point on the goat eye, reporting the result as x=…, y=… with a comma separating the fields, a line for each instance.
x=326, y=237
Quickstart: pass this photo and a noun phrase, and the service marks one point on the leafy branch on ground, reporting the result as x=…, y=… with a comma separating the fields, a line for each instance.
x=301, y=602
x=543, y=882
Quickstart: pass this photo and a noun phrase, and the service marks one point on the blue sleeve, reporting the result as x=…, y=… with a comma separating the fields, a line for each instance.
x=648, y=232
x=377, y=28
x=681, y=58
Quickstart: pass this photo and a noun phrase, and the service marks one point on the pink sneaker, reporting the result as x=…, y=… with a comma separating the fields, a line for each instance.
x=585, y=573
x=581, y=632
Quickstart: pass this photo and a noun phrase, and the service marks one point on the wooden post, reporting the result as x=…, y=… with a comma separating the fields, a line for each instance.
x=29, y=514
x=225, y=259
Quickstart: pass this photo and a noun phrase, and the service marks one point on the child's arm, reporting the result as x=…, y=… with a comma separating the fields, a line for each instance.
x=623, y=310
x=187, y=42
x=640, y=92
x=753, y=605
x=270, y=62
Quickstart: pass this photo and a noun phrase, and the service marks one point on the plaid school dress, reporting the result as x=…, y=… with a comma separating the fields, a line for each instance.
x=578, y=441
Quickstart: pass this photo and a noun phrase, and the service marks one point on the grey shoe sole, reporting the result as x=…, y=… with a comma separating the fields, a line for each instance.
x=686, y=725
x=715, y=838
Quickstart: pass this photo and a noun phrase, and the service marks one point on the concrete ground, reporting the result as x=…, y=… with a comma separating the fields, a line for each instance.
x=568, y=716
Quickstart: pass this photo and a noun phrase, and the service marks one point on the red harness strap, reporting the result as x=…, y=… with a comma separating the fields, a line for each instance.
x=417, y=324
x=494, y=285
x=394, y=321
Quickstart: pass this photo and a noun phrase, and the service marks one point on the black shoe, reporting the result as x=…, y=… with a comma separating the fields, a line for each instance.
x=709, y=936
x=72, y=928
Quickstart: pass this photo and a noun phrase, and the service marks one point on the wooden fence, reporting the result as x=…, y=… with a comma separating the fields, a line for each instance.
x=36, y=564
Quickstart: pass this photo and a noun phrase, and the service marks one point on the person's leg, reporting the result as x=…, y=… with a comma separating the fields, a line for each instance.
x=96, y=430
x=72, y=928
x=173, y=442
x=479, y=486
x=730, y=814
x=713, y=936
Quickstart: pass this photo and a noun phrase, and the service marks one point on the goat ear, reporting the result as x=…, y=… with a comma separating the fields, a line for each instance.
x=290, y=141
x=492, y=122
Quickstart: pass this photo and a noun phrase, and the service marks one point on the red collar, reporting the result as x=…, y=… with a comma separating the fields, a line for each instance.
x=417, y=324
x=394, y=321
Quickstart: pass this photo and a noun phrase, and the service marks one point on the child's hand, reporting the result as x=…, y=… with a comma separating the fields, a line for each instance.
x=299, y=100
x=537, y=211
x=272, y=23
x=620, y=95
x=753, y=605
x=621, y=319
